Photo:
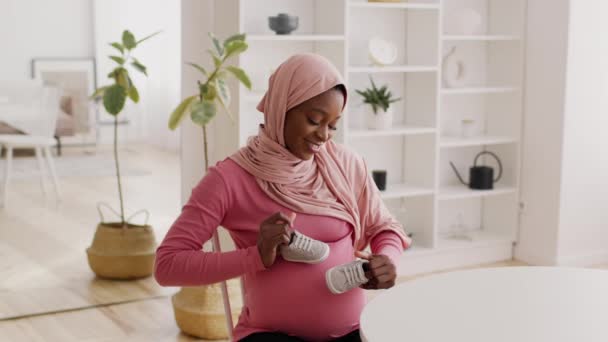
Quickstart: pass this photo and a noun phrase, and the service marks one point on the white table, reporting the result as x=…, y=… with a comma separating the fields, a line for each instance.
x=513, y=304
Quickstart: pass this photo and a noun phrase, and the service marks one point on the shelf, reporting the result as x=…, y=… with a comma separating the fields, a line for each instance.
x=397, y=130
x=478, y=238
x=393, y=68
x=453, y=192
x=394, y=191
x=447, y=142
x=478, y=90
x=295, y=37
x=398, y=5
x=497, y=37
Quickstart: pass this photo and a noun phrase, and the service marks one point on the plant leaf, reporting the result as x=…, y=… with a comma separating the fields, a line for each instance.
x=216, y=60
x=375, y=90
x=112, y=73
x=148, y=37
x=140, y=67
x=208, y=91
x=114, y=99
x=98, y=92
x=133, y=94
x=118, y=60
x=118, y=47
x=122, y=78
x=128, y=40
x=223, y=92
x=224, y=97
x=178, y=114
x=199, y=68
x=240, y=75
x=216, y=43
x=235, y=47
x=202, y=112
x=240, y=36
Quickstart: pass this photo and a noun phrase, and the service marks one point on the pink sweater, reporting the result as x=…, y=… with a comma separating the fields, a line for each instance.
x=287, y=297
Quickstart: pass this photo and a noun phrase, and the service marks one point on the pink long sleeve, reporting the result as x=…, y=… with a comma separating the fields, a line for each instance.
x=179, y=259
x=388, y=243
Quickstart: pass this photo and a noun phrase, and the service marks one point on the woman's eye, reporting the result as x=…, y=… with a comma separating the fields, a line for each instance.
x=313, y=122
x=333, y=128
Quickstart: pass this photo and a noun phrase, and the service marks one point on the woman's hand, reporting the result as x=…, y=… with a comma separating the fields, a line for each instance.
x=274, y=232
x=380, y=271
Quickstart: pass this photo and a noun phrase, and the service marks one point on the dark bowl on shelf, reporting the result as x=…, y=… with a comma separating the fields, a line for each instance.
x=283, y=23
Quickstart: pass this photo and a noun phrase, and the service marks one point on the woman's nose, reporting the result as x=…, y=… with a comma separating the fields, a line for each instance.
x=323, y=133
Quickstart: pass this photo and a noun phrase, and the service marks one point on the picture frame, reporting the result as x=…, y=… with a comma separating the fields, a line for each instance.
x=76, y=77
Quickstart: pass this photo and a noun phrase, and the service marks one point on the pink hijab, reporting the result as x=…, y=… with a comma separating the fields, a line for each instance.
x=320, y=185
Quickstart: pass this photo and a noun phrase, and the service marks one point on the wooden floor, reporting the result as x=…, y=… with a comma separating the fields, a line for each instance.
x=48, y=293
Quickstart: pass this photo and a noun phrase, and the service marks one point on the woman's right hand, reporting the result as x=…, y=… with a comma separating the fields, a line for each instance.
x=274, y=231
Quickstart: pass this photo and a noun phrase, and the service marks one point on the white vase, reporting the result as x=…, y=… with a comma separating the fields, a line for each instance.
x=454, y=71
x=381, y=119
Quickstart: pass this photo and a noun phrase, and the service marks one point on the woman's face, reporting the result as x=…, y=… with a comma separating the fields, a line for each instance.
x=312, y=123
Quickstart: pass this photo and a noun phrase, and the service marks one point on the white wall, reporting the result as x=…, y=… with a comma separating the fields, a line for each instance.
x=196, y=21
x=34, y=28
x=546, y=49
x=565, y=167
x=159, y=91
x=583, y=230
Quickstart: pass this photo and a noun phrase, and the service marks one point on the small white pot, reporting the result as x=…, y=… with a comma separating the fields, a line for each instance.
x=381, y=119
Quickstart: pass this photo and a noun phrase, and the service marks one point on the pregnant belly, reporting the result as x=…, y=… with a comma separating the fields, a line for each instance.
x=293, y=298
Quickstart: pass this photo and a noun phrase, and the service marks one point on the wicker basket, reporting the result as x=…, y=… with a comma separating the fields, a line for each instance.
x=122, y=253
x=199, y=311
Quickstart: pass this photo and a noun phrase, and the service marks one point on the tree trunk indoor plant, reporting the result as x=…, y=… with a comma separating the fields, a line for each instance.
x=121, y=250
x=198, y=310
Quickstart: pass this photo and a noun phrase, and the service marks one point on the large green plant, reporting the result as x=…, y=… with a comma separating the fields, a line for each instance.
x=213, y=89
x=115, y=95
x=377, y=97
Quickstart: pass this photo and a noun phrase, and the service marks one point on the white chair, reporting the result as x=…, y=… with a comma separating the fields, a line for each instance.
x=33, y=109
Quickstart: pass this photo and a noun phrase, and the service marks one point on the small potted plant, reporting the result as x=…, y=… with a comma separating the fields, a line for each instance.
x=380, y=100
x=199, y=311
x=121, y=250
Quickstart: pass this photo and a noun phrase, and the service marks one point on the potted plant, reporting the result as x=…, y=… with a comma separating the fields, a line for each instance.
x=380, y=100
x=121, y=250
x=199, y=311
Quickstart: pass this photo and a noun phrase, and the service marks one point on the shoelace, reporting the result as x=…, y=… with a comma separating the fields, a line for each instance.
x=303, y=242
x=354, y=274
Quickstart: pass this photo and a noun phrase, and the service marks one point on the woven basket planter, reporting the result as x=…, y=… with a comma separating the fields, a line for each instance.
x=199, y=311
x=122, y=253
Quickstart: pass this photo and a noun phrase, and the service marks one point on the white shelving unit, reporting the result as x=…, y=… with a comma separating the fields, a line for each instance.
x=422, y=192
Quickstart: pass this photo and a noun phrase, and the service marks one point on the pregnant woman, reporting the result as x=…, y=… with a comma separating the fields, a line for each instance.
x=300, y=209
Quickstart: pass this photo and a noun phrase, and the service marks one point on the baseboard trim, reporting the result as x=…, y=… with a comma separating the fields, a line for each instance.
x=415, y=264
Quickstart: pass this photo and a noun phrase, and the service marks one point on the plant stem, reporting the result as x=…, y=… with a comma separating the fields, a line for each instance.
x=205, y=148
x=122, y=210
x=215, y=72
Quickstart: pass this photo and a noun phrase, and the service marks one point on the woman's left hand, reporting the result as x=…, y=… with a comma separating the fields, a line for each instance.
x=381, y=271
